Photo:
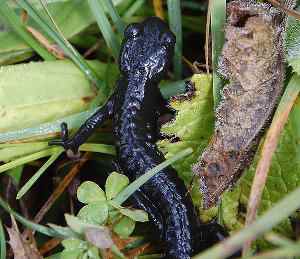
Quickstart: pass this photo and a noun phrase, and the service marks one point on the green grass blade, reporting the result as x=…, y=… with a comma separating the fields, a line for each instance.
x=279, y=253
x=2, y=242
x=131, y=188
x=91, y=147
x=120, y=25
x=133, y=8
x=194, y=5
x=267, y=221
x=218, y=19
x=9, y=152
x=105, y=27
x=27, y=223
x=16, y=174
x=47, y=129
x=64, y=44
x=174, y=14
x=29, y=158
x=278, y=240
x=41, y=145
x=99, y=148
x=38, y=174
x=14, y=21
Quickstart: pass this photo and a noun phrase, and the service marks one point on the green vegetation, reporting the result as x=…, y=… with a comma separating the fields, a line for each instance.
x=58, y=63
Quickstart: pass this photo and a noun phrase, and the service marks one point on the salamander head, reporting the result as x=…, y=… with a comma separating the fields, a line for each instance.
x=147, y=49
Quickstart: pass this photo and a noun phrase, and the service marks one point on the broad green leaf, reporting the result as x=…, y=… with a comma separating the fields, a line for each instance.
x=124, y=227
x=90, y=192
x=114, y=184
x=94, y=213
x=42, y=94
x=193, y=125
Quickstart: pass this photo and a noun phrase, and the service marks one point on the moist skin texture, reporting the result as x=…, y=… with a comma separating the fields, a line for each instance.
x=252, y=60
x=134, y=109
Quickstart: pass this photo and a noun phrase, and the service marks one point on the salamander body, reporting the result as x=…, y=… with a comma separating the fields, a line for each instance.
x=134, y=108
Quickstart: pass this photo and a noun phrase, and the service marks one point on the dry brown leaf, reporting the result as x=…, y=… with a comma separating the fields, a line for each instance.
x=252, y=60
x=21, y=247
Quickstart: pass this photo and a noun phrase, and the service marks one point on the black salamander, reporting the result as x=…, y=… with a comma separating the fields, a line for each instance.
x=134, y=108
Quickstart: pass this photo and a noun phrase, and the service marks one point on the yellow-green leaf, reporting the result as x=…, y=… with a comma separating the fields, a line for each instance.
x=115, y=183
x=193, y=126
x=94, y=213
x=124, y=227
x=90, y=192
x=34, y=93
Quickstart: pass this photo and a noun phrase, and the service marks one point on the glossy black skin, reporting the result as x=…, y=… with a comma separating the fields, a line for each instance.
x=134, y=108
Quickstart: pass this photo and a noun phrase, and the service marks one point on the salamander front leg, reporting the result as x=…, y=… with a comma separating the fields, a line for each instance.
x=86, y=130
x=68, y=144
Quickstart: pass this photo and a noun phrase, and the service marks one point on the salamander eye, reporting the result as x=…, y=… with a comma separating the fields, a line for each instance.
x=132, y=30
x=168, y=39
